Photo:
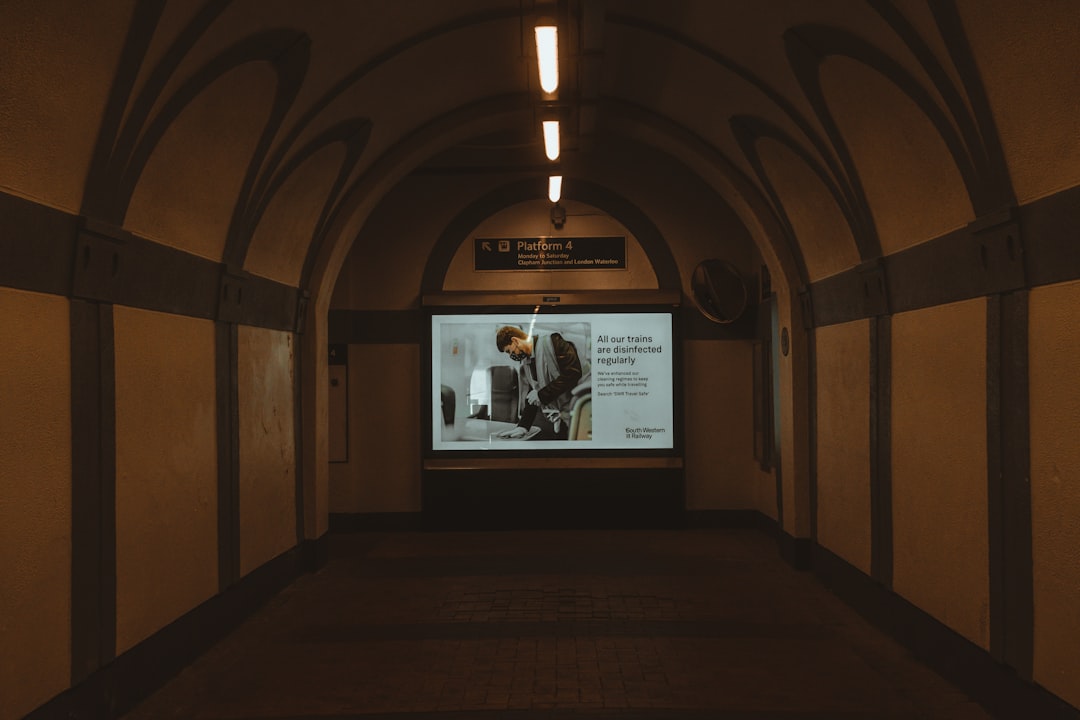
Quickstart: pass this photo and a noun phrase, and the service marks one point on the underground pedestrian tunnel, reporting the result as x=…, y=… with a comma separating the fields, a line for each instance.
x=817, y=264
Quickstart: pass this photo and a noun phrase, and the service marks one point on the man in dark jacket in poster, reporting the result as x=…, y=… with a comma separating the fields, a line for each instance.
x=548, y=370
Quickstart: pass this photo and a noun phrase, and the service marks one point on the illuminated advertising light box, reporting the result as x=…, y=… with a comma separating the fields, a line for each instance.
x=545, y=382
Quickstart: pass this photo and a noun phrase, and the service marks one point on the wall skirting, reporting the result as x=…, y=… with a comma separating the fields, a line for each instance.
x=992, y=684
x=376, y=522
x=711, y=519
x=134, y=675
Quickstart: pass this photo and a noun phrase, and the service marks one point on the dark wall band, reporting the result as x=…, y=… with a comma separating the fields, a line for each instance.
x=228, y=461
x=1008, y=486
x=93, y=488
x=881, y=515
x=1027, y=247
x=49, y=251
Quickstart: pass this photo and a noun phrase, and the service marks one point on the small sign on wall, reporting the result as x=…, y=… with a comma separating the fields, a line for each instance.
x=550, y=253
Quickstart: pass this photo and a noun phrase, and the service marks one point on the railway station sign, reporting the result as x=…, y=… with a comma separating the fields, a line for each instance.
x=550, y=253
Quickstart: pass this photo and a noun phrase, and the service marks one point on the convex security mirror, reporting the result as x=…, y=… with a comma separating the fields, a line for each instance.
x=719, y=291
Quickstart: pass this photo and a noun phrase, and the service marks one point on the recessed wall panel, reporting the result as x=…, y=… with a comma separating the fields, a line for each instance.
x=939, y=471
x=719, y=441
x=267, y=445
x=1054, y=357
x=843, y=441
x=166, y=470
x=35, y=500
x=383, y=472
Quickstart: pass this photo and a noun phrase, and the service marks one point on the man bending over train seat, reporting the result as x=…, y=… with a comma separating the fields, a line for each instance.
x=548, y=370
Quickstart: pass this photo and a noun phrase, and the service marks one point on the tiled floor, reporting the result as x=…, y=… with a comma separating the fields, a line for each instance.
x=624, y=625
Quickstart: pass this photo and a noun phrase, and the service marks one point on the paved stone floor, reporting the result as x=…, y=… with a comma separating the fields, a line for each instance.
x=624, y=625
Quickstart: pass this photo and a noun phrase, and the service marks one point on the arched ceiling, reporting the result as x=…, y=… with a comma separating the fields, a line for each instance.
x=260, y=133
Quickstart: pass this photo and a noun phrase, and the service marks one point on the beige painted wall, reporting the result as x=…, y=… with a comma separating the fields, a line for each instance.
x=35, y=500
x=1027, y=55
x=843, y=440
x=362, y=282
x=902, y=160
x=59, y=62
x=187, y=192
x=939, y=468
x=721, y=472
x=1054, y=349
x=279, y=244
x=267, y=445
x=824, y=236
x=166, y=470
x=383, y=471
x=765, y=492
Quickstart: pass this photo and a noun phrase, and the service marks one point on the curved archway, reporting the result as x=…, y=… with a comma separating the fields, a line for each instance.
x=637, y=222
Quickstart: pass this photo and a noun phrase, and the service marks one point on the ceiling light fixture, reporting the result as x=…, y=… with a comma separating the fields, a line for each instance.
x=547, y=56
x=555, y=188
x=551, y=139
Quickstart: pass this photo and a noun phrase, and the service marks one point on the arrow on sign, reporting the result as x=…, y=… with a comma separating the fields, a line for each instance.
x=485, y=245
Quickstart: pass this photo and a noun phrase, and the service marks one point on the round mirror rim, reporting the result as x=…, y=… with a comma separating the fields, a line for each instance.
x=701, y=285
